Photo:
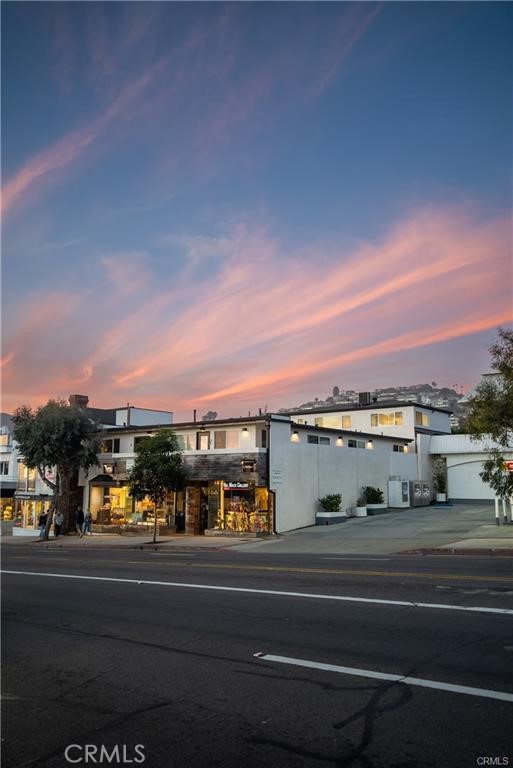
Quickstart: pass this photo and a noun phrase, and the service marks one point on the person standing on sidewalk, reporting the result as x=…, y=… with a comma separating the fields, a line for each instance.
x=79, y=519
x=43, y=517
x=58, y=520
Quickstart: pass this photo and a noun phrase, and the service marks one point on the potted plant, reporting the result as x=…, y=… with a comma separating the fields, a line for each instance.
x=330, y=510
x=375, y=500
x=441, y=488
x=360, y=510
x=440, y=479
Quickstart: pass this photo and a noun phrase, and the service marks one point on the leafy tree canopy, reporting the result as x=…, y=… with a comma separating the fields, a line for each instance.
x=491, y=414
x=158, y=467
x=56, y=435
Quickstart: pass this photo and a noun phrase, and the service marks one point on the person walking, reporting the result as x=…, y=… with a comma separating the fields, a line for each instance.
x=87, y=523
x=79, y=518
x=58, y=521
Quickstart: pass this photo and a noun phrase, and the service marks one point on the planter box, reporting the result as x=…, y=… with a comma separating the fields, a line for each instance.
x=441, y=497
x=377, y=509
x=359, y=511
x=329, y=518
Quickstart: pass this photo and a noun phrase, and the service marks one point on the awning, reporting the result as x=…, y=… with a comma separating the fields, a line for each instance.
x=104, y=481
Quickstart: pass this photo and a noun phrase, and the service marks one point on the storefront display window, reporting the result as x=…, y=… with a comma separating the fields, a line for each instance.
x=238, y=507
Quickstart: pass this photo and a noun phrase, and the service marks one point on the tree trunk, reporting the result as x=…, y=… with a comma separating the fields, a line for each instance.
x=155, y=525
x=64, y=501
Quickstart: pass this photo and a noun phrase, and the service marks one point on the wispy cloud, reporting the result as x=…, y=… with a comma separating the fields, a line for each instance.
x=263, y=322
x=68, y=149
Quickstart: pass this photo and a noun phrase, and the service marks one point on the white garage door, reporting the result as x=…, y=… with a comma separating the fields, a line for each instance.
x=463, y=481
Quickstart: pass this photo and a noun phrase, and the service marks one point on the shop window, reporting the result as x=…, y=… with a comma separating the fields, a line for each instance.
x=324, y=440
x=312, y=439
x=398, y=448
x=4, y=467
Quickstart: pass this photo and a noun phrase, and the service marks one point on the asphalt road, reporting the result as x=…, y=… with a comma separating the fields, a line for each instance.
x=112, y=658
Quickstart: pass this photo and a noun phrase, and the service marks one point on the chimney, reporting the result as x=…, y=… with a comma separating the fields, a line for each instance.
x=78, y=401
x=194, y=416
x=364, y=398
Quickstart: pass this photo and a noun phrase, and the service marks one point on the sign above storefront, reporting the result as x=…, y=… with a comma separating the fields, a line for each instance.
x=508, y=465
x=235, y=486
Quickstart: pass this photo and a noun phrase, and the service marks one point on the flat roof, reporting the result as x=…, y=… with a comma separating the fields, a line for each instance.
x=371, y=406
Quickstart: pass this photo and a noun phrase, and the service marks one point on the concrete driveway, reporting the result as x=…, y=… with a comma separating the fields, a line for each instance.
x=461, y=527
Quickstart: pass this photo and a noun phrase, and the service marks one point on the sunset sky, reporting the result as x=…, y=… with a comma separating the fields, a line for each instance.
x=232, y=206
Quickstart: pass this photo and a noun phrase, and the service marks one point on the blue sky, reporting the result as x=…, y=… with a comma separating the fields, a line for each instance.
x=226, y=205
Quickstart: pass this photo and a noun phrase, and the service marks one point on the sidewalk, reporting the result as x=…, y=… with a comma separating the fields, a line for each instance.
x=459, y=529
x=179, y=542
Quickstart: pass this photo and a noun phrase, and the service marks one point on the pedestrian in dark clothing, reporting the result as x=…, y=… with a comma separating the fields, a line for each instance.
x=79, y=517
x=88, y=521
x=58, y=520
x=43, y=517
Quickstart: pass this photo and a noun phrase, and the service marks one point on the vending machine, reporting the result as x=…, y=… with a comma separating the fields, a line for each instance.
x=420, y=494
x=398, y=494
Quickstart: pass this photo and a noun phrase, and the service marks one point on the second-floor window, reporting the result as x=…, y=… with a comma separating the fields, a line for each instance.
x=4, y=467
x=110, y=446
x=4, y=440
x=421, y=419
x=226, y=438
x=387, y=419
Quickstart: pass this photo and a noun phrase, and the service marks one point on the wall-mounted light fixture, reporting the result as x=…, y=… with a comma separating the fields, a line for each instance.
x=244, y=429
x=295, y=436
x=370, y=444
x=340, y=440
x=405, y=449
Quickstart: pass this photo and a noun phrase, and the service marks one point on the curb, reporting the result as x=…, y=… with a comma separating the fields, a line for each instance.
x=491, y=552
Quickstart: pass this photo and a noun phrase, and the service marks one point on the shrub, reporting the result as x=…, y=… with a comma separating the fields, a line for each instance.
x=331, y=503
x=373, y=495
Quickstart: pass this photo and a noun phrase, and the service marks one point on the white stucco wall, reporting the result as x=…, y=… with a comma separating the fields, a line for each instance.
x=361, y=420
x=301, y=473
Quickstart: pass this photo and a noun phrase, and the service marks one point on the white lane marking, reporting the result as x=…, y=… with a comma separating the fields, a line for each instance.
x=437, y=685
x=247, y=590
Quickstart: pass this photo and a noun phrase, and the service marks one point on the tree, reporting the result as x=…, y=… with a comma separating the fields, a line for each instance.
x=57, y=436
x=158, y=469
x=491, y=414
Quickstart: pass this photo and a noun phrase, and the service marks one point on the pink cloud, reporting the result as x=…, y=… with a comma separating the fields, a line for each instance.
x=262, y=323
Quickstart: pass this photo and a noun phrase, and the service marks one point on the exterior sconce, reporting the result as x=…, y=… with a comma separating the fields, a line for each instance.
x=340, y=440
x=295, y=436
x=370, y=444
x=405, y=449
x=245, y=429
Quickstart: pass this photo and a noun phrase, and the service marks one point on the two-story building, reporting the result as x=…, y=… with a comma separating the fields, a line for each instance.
x=260, y=474
x=395, y=418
